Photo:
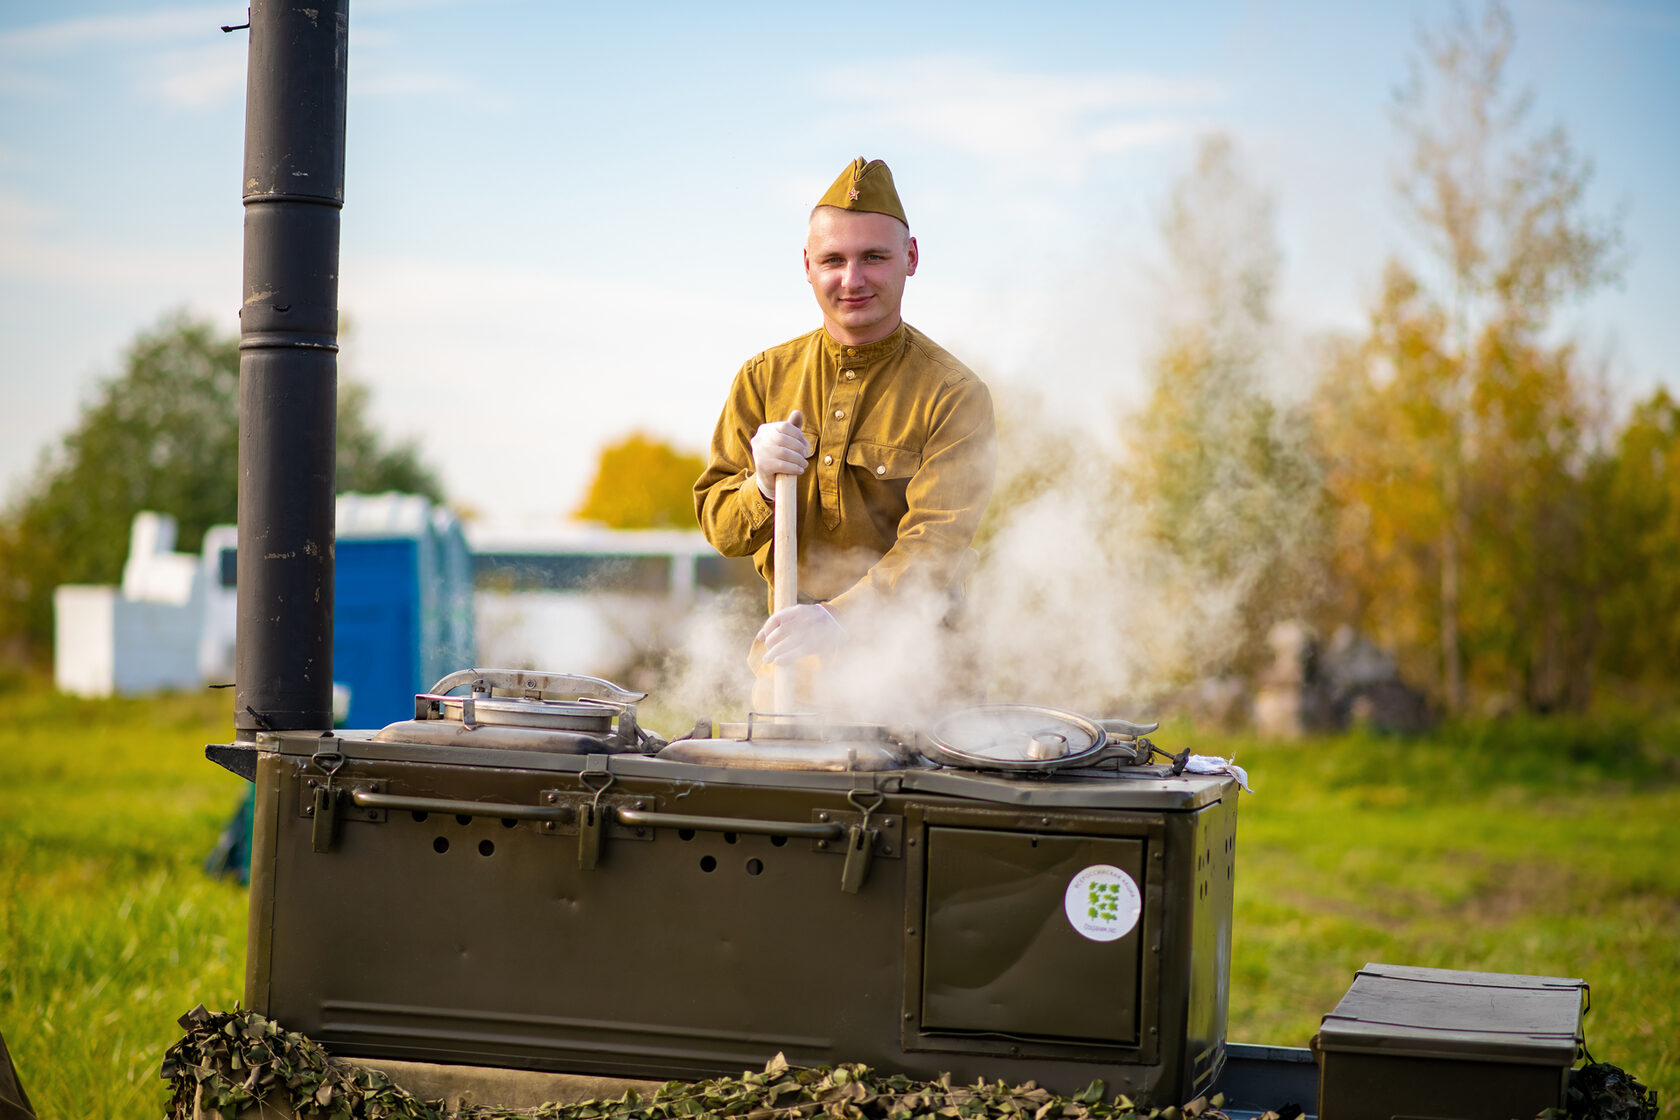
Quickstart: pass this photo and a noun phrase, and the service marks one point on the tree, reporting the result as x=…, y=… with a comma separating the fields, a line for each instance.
x=1227, y=474
x=643, y=483
x=164, y=435
x=1638, y=489
x=1458, y=436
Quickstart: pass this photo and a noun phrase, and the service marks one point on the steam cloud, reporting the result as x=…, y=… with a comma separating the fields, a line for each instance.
x=1076, y=604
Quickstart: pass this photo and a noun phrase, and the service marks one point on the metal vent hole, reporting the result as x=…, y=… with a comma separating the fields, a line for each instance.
x=419, y=814
x=778, y=841
x=509, y=822
x=685, y=834
x=463, y=818
x=730, y=838
x=440, y=845
x=755, y=867
x=486, y=848
x=708, y=864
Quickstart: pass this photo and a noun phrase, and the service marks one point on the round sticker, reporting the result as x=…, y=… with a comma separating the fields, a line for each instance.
x=1102, y=902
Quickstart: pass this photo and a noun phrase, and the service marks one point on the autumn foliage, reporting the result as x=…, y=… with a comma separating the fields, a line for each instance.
x=1453, y=481
x=643, y=483
x=1465, y=448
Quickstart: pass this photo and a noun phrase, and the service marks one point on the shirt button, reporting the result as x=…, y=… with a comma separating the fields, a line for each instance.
x=839, y=414
x=828, y=459
x=850, y=352
x=882, y=469
x=851, y=375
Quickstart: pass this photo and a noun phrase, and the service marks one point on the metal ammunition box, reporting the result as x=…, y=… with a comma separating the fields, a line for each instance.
x=632, y=916
x=1448, y=1045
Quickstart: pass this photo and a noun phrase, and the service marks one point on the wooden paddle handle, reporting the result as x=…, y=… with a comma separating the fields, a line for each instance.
x=785, y=555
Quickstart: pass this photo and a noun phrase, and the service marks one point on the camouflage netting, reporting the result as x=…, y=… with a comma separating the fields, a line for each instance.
x=1601, y=1091
x=230, y=1061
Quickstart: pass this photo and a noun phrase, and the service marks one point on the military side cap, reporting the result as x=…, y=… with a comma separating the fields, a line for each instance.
x=868, y=187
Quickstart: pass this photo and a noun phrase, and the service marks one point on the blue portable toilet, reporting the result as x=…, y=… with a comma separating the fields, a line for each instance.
x=402, y=611
x=402, y=620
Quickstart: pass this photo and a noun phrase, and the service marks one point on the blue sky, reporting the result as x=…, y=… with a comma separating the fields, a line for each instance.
x=566, y=222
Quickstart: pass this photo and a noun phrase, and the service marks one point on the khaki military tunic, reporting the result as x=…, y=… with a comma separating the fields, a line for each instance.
x=903, y=449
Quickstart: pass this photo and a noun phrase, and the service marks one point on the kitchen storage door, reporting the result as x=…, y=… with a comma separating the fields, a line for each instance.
x=1033, y=936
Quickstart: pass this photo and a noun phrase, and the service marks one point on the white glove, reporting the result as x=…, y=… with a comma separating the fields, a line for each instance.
x=800, y=631
x=778, y=447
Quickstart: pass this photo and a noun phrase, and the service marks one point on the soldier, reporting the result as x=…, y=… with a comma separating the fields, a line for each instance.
x=893, y=439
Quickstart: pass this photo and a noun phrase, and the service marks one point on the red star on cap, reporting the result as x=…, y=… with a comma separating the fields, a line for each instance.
x=851, y=195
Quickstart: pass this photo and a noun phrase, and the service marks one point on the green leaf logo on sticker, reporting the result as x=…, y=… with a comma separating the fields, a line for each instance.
x=1103, y=903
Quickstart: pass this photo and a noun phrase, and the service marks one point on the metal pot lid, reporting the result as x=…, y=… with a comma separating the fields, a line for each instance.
x=784, y=754
x=760, y=726
x=514, y=711
x=1013, y=737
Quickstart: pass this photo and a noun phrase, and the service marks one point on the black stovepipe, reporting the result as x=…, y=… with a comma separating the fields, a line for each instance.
x=288, y=363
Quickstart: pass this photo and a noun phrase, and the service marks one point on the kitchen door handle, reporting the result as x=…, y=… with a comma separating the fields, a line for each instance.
x=631, y=818
x=646, y=818
x=368, y=799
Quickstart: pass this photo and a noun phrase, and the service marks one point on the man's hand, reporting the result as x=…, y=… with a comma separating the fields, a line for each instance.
x=778, y=447
x=800, y=631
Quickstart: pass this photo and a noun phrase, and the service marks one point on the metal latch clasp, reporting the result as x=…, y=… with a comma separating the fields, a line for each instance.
x=324, y=811
x=590, y=823
x=860, y=841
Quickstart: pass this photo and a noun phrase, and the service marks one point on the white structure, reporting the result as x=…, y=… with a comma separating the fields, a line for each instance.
x=583, y=599
x=576, y=599
x=356, y=517
x=141, y=637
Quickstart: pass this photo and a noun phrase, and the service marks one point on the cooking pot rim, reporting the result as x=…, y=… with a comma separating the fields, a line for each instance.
x=937, y=743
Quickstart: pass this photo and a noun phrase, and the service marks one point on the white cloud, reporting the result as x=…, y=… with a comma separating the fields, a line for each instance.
x=1146, y=133
x=1047, y=121
x=408, y=84
x=173, y=272
x=70, y=35
x=183, y=59
x=15, y=83
x=199, y=76
x=16, y=213
x=368, y=7
x=177, y=55
x=513, y=378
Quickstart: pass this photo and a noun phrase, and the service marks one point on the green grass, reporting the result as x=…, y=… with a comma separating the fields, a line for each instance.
x=109, y=929
x=1542, y=848
x=1534, y=847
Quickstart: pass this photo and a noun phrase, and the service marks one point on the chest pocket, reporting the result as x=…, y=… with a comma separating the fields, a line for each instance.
x=882, y=461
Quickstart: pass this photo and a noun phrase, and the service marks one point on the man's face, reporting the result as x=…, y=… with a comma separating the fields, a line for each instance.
x=857, y=263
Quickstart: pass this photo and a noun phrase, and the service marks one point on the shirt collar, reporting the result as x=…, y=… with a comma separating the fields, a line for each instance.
x=869, y=351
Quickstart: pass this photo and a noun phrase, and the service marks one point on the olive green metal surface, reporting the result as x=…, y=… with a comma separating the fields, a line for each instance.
x=626, y=916
x=1415, y=1041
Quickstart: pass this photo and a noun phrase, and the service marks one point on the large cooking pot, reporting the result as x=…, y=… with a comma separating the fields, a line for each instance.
x=1029, y=737
x=516, y=709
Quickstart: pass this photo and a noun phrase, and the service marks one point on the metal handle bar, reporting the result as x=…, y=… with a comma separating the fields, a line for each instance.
x=515, y=681
x=632, y=818
x=791, y=829
x=1125, y=728
x=367, y=799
